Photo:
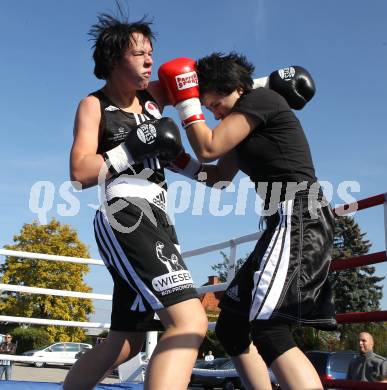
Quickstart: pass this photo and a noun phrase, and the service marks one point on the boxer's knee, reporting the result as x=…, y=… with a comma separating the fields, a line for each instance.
x=233, y=333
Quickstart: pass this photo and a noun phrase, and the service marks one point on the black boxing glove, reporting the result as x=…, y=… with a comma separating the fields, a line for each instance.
x=294, y=83
x=152, y=138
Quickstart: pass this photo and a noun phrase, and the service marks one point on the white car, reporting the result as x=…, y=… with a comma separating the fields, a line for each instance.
x=57, y=350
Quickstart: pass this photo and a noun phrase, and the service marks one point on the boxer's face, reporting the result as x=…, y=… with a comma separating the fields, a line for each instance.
x=135, y=66
x=220, y=105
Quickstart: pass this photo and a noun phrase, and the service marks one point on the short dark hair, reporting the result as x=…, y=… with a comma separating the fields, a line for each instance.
x=224, y=74
x=112, y=37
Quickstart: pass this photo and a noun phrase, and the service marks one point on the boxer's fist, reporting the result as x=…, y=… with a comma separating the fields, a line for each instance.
x=295, y=84
x=179, y=79
x=155, y=137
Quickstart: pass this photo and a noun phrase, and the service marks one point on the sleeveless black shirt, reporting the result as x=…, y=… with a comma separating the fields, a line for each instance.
x=115, y=124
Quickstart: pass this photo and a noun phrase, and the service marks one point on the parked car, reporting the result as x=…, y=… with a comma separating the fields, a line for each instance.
x=209, y=382
x=331, y=365
x=226, y=383
x=58, y=350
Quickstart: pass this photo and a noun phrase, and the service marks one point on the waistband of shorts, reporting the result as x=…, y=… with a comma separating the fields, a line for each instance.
x=123, y=187
x=281, y=191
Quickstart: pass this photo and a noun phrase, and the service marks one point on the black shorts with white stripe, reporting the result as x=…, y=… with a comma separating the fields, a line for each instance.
x=285, y=277
x=140, y=248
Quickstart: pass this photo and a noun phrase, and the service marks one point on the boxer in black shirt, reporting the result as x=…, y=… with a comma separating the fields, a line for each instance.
x=284, y=282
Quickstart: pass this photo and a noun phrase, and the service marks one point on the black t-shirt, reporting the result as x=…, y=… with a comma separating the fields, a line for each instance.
x=277, y=149
x=115, y=124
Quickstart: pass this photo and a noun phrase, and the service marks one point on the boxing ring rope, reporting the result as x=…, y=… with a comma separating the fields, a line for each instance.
x=337, y=264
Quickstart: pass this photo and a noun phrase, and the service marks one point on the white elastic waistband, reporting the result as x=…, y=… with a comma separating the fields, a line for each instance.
x=137, y=188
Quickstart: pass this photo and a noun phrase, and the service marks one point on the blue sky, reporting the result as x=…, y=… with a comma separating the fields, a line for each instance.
x=46, y=69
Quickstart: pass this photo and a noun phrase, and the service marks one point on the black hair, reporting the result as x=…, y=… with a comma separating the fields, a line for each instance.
x=224, y=74
x=112, y=36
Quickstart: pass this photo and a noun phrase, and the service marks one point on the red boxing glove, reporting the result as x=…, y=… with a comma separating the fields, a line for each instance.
x=178, y=77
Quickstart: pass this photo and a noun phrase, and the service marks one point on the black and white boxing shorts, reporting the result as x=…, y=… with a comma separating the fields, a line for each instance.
x=139, y=246
x=285, y=277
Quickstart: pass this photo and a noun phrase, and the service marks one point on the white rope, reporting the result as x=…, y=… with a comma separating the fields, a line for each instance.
x=222, y=245
x=33, y=359
x=77, y=294
x=40, y=321
x=211, y=288
x=79, y=260
x=49, y=291
x=42, y=256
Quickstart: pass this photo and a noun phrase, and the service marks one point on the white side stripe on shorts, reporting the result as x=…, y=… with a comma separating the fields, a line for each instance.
x=103, y=246
x=269, y=280
x=122, y=264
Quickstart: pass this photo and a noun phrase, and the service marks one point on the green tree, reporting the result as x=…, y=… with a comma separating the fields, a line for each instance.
x=222, y=267
x=30, y=338
x=52, y=238
x=355, y=289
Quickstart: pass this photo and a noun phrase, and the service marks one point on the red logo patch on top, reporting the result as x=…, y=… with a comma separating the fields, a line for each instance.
x=153, y=109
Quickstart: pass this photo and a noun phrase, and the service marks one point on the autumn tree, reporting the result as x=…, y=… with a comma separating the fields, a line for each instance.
x=355, y=289
x=56, y=239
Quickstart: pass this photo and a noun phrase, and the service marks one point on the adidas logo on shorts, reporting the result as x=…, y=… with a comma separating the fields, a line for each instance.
x=233, y=293
x=159, y=201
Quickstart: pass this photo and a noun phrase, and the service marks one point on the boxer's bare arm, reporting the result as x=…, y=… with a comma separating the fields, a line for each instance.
x=209, y=144
x=85, y=163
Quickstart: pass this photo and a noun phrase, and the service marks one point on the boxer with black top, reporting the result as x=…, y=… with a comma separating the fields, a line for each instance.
x=284, y=282
x=122, y=143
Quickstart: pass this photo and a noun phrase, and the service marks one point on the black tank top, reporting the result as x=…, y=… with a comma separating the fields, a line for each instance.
x=115, y=124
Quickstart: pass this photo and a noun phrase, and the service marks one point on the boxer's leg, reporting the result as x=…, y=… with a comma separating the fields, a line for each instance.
x=150, y=260
x=171, y=364
x=294, y=371
x=95, y=364
x=233, y=331
x=287, y=288
x=233, y=325
x=274, y=342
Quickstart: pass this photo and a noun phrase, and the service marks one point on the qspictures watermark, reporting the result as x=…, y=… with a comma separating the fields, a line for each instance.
x=194, y=197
